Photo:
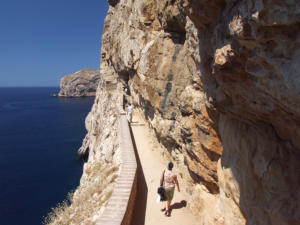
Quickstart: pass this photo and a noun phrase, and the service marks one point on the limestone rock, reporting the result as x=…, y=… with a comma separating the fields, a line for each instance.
x=219, y=83
x=81, y=83
x=101, y=169
x=101, y=141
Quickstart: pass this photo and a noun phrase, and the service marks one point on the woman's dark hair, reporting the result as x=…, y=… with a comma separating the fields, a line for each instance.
x=170, y=165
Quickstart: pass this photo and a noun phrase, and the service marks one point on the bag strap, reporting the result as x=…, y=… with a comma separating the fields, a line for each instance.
x=163, y=180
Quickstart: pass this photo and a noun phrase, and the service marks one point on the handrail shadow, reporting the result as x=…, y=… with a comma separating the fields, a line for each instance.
x=139, y=210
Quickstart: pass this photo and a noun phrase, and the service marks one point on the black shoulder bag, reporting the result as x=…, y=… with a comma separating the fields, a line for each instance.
x=161, y=190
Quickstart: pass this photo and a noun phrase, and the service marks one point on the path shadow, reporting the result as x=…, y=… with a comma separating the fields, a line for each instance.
x=139, y=210
x=178, y=205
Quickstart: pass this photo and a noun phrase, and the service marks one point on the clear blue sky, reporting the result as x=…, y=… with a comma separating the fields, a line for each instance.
x=43, y=40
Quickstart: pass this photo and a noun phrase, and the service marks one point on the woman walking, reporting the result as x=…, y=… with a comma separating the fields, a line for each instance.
x=168, y=180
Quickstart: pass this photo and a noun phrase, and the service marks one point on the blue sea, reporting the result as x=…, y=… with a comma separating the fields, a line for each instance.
x=39, y=139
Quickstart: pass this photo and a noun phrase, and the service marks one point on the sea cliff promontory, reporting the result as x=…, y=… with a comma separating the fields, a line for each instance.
x=79, y=84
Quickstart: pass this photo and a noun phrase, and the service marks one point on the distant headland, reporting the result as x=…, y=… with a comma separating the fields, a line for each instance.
x=80, y=84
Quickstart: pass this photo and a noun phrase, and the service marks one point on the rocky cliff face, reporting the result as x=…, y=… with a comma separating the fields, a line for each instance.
x=81, y=83
x=101, y=149
x=219, y=83
x=101, y=142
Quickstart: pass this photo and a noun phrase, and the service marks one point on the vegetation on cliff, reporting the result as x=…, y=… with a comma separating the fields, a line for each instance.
x=87, y=203
x=101, y=146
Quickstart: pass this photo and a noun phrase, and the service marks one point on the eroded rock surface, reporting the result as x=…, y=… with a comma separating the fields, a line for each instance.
x=101, y=142
x=219, y=83
x=101, y=169
x=81, y=83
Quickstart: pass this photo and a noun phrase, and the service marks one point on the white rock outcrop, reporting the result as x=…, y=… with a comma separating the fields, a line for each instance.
x=103, y=159
x=79, y=84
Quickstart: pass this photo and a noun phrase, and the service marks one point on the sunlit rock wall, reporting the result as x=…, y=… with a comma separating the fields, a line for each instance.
x=219, y=83
x=101, y=142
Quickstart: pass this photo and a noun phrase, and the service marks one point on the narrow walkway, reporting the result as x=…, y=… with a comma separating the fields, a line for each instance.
x=150, y=166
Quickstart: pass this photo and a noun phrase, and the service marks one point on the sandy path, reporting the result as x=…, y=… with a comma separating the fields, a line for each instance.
x=150, y=166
